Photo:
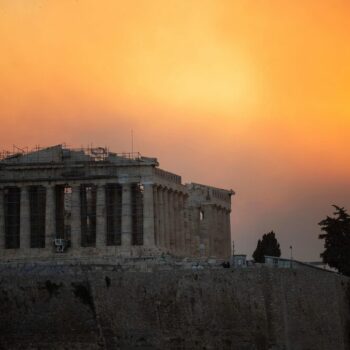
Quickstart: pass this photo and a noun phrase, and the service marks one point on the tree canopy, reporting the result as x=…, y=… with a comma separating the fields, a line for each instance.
x=337, y=240
x=268, y=245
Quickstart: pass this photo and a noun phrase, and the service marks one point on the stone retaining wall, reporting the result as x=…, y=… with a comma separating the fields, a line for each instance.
x=106, y=307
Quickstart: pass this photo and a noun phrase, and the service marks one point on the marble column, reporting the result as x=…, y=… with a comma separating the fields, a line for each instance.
x=76, y=217
x=101, y=222
x=221, y=232
x=2, y=220
x=216, y=231
x=171, y=226
x=182, y=223
x=24, y=219
x=126, y=215
x=197, y=232
x=156, y=215
x=188, y=235
x=161, y=217
x=228, y=230
x=148, y=215
x=177, y=222
x=159, y=199
x=166, y=218
x=174, y=212
x=50, y=217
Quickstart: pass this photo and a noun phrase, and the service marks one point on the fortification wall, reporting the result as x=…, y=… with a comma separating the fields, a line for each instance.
x=95, y=307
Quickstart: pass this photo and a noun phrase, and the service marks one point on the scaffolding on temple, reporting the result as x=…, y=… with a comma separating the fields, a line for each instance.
x=90, y=153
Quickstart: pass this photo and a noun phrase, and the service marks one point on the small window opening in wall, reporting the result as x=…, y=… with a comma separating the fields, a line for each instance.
x=201, y=215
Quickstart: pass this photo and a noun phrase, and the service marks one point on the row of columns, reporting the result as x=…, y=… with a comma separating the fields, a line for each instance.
x=164, y=220
x=101, y=220
x=169, y=213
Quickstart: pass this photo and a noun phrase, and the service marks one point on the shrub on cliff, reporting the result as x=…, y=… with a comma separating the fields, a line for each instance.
x=268, y=245
x=337, y=240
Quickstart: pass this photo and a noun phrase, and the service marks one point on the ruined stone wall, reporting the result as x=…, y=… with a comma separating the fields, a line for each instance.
x=62, y=307
x=208, y=210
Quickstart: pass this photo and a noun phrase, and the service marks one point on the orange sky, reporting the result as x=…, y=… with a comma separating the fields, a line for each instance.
x=249, y=95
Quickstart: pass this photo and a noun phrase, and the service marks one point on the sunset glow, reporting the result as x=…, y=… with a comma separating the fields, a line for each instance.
x=249, y=95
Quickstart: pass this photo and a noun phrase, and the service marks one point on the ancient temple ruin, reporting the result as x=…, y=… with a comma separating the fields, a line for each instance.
x=89, y=202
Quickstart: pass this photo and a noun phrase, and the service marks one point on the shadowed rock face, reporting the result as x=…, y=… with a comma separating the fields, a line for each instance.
x=90, y=308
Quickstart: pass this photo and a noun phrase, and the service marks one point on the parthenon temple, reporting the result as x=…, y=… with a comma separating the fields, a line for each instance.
x=92, y=202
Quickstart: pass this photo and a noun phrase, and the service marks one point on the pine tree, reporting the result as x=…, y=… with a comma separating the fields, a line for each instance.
x=267, y=246
x=337, y=240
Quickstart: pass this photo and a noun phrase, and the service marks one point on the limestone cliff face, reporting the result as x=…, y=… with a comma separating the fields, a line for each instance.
x=61, y=307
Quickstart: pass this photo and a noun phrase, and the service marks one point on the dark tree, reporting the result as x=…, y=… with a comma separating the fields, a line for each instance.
x=268, y=245
x=337, y=240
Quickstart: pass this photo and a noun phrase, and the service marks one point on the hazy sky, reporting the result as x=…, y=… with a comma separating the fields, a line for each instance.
x=248, y=95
